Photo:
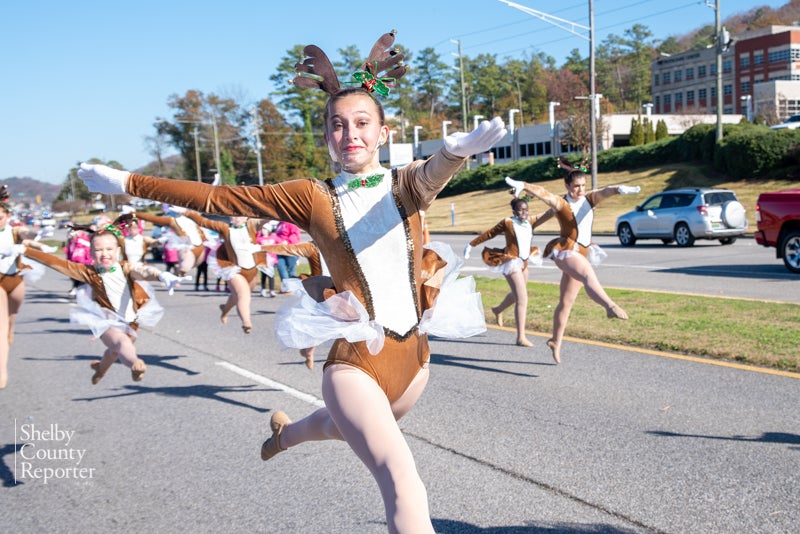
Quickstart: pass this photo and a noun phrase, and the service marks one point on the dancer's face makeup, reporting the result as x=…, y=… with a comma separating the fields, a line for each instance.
x=354, y=133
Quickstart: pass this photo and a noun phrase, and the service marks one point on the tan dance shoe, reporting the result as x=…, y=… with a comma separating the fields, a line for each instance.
x=99, y=372
x=272, y=446
x=137, y=370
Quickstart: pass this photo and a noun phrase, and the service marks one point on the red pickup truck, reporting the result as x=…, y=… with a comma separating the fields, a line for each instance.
x=778, y=218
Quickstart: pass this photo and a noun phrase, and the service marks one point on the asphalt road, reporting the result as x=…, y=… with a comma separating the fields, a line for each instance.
x=610, y=441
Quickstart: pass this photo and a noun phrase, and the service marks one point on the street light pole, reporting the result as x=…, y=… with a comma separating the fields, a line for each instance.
x=416, y=140
x=444, y=128
x=257, y=134
x=476, y=120
x=595, y=100
x=514, y=144
x=748, y=106
x=216, y=146
x=575, y=29
x=463, y=92
x=551, y=116
x=196, y=153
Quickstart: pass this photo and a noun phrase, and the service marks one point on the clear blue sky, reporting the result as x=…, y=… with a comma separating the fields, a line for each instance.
x=85, y=78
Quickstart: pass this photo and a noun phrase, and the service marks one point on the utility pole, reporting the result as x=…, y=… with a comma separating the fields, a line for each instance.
x=257, y=134
x=196, y=153
x=463, y=90
x=720, y=44
x=575, y=29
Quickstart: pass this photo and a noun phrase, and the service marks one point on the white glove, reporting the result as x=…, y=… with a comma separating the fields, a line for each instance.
x=13, y=251
x=127, y=209
x=480, y=139
x=171, y=281
x=38, y=235
x=180, y=210
x=467, y=249
x=628, y=189
x=49, y=249
x=516, y=184
x=254, y=247
x=103, y=179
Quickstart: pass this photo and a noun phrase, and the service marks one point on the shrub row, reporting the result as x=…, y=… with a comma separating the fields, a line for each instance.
x=747, y=151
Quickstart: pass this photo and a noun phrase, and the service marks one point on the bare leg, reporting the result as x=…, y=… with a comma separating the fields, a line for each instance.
x=9, y=307
x=4, y=348
x=519, y=287
x=507, y=301
x=241, y=288
x=580, y=269
x=308, y=354
x=357, y=410
x=121, y=344
x=568, y=293
x=15, y=300
x=187, y=261
x=364, y=417
x=102, y=366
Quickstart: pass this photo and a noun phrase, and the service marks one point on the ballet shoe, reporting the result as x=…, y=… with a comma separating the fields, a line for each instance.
x=223, y=318
x=247, y=328
x=524, y=343
x=272, y=446
x=498, y=317
x=308, y=354
x=556, y=349
x=99, y=372
x=137, y=370
x=615, y=312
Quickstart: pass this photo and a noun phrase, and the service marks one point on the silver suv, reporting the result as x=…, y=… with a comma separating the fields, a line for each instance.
x=684, y=215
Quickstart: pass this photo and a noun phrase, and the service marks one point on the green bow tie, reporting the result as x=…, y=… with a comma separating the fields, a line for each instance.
x=239, y=227
x=101, y=270
x=367, y=181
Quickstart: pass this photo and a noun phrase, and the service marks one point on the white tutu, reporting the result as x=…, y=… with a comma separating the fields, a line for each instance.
x=225, y=273
x=301, y=322
x=35, y=273
x=89, y=313
x=511, y=266
x=596, y=254
x=458, y=310
x=179, y=242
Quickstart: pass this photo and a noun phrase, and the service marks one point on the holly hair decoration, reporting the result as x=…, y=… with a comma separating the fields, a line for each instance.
x=564, y=163
x=317, y=72
x=111, y=229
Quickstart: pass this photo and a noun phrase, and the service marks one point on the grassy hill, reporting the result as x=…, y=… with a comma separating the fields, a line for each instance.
x=479, y=210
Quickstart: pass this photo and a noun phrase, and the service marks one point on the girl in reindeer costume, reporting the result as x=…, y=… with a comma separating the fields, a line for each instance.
x=512, y=261
x=12, y=284
x=114, y=301
x=573, y=251
x=366, y=223
x=190, y=238
x=233, y=261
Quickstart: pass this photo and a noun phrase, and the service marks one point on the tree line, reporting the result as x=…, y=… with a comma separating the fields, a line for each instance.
x=207, y=127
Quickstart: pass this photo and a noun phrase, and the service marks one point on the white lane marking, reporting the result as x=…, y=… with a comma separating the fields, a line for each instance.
x=305, y=397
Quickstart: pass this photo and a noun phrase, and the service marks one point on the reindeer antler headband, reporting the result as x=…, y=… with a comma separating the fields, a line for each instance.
x=564, y=163
x=316, y=70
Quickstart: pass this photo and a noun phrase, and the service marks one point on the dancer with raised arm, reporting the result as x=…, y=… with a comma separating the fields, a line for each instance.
x=573, y=251
x=511, y=261
x=366, y=223
x=114, y=302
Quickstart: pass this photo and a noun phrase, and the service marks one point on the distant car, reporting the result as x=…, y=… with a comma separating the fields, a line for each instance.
x=64, y=223
x=791, y=123
x=684, y=215
x=48, y=221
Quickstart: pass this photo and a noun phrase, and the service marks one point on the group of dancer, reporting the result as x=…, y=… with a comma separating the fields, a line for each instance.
x=377, y=290
x=573, y=251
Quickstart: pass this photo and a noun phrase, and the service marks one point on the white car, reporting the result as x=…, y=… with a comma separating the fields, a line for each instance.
x=791, y=123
